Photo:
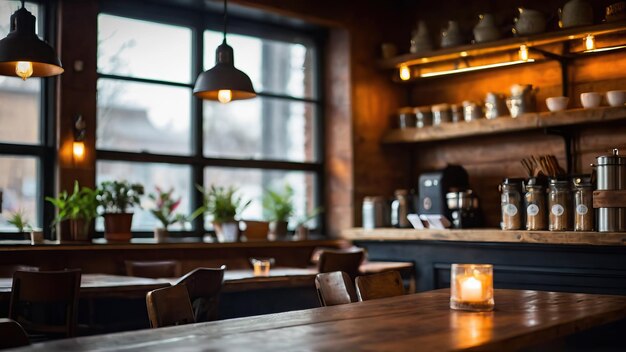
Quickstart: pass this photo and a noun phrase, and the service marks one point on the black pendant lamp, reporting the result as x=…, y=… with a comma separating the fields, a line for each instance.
x=224, y=82
x=23, y=54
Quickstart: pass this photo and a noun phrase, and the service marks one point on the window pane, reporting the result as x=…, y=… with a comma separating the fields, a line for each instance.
x=252, y=182
x=19, y=100
x=260, y=128
x=273, y=66
x=150, y=175
x=18, y=182
x=136, y=48
x=143, y=117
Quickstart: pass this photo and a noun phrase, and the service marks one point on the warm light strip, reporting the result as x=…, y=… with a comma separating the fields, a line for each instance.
x=475, y=68
x=605, y=49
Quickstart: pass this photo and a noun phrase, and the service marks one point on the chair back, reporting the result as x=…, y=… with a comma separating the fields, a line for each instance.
x=334, y=288
x=169, y=306
x=12, y=334
x=204, y=286
x=381, y=285
x=8, y=270
x=153, y=269
x=348, y=262
x=46, y=302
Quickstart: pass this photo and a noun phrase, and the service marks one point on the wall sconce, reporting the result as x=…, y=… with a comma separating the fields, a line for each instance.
x=78, y=145
x=471, y=287
x=523, y=53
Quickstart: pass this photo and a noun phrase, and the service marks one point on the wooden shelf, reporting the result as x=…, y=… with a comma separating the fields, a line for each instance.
x=502, y=45
x=504, y=124
x=489, y=235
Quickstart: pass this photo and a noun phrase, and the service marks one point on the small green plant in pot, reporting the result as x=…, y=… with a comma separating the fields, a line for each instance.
x=302, y=229
x=225, y=207
x=278, y=208
x=21, y=223
x=117, y=199
x=80, y=208
x=164, y=209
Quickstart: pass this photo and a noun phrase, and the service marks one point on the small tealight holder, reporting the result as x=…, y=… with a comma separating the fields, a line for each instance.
x=261, y=266
x=471, y=287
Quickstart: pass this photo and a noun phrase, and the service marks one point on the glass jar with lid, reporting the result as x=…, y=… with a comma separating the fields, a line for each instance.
x=559, y=205
x=535, y=201
x=511, y=203
x=583, y=204
x=406, y=118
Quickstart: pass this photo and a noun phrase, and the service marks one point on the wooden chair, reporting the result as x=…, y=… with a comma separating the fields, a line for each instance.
x=8, y=270
x=256, y=230
x=348, y=262
x=45, y=303
x=153, y=269
x=335, y=288
x=169, y=306
x=12, y=334
x=204, y=286
x=382, y=285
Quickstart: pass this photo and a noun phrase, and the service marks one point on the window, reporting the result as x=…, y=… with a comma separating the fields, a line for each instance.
x=150, y=129
x=25, y=150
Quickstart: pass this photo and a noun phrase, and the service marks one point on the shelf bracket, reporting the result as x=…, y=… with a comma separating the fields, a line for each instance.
x=568, y=138
x=563, y=60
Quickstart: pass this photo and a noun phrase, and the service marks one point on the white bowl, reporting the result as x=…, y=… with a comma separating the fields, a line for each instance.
x=590, y=99
x=557, y=103
x=616, y=97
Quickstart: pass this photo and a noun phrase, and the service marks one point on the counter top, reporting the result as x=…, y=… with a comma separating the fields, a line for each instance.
x=489, y=235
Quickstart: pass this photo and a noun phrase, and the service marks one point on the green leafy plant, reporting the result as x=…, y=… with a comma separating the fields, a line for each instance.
x=278, y=206
x=222, y=203
x=119, y=196
x=19, y=220
x=165, y=206
x=81, y=204
x=308, y=217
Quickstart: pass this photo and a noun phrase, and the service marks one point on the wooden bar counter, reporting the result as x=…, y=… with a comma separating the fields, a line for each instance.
x=421, y=321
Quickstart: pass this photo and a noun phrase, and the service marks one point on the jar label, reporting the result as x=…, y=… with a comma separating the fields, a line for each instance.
x=558, y=210
x=510, y=209
x=532, y=210
x=582, y=209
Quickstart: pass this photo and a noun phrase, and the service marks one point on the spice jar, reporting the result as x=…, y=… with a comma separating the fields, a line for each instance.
x=424, y=116
x=559, y=200
x=441, y=114
x=511, y=202
x=583, y=205
x=406, y=118
x=535, y=201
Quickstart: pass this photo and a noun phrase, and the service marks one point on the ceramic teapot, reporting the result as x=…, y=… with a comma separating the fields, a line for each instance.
x=451, y=36
x=420, y=39
x=486, y=29
x=529, y=22
x=576, y=13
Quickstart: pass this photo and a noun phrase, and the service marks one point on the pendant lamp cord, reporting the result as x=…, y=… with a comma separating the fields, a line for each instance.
x=225, y=18
x=22, y=3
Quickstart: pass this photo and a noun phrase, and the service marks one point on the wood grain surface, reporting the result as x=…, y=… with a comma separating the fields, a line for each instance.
x=520, y=319
x=490, y=235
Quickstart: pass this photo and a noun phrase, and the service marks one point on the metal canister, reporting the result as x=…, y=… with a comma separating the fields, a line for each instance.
x=375, y=212
x=611, y=171
x=406, y=118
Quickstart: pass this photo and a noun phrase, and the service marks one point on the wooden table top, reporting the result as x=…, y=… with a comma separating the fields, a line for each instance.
x=521, y=319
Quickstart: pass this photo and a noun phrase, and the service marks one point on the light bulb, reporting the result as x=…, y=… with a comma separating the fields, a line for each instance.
x=24, y=69
x=224, y=95
x=590, y=42
x=523, y=52
x=405, y=73
x=78, y=149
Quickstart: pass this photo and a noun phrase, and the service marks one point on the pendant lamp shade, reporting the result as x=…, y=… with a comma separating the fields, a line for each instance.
x=224, y=76
x=23, y=46
x=224, y=82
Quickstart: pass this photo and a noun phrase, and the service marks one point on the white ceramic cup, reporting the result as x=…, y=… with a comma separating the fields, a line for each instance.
x=36, y=237
x=616, y=97
x=590, y=99
x=557, y=103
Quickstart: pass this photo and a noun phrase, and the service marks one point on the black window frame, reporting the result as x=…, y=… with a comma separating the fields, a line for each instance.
x=44, y=151
x=198, y=22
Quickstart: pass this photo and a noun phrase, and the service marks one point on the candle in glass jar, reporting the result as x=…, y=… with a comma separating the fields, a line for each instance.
x=471, y=290
x=471, y=287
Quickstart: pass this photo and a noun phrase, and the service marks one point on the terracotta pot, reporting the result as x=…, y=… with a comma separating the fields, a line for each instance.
x=227, y=231
x=79, y=230
x=161, y=235
x=302, y=233
x=117, y=227
x=278, y=230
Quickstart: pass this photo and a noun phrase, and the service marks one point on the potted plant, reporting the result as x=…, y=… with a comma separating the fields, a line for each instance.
x=225, y=207
x=117, y=198
x=80, y=208
x=164, y=207
x=302, y=230
x=279, y=208
x=21, y=223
